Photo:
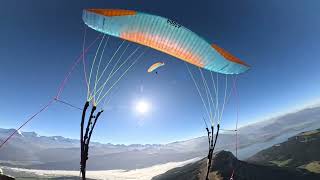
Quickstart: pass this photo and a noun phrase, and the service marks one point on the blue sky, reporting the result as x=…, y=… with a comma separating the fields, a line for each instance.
x=41, y=40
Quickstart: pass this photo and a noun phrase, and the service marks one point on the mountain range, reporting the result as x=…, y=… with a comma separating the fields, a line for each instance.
x=30, y=150
x=296, y=158
x=226, y=166
x=300, y=151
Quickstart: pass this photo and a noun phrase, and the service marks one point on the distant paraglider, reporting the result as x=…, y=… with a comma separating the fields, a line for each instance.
x=155, y=66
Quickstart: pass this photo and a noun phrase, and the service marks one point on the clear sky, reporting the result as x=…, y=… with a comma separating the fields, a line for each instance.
x=40, y=40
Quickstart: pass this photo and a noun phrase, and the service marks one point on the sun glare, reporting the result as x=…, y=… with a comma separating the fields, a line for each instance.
x=142, y=107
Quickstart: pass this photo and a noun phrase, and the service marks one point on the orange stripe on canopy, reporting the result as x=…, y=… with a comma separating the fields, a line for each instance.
x=227, y=55
x=113, y=12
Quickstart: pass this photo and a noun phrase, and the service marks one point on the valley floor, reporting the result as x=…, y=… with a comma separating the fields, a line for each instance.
x=138, y=174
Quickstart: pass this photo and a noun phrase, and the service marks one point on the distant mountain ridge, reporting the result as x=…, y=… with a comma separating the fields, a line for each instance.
x=30, y=150
x=224, y=164
x=295, y=159
x=300, y=151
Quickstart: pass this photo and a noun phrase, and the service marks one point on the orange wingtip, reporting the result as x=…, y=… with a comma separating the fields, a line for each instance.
x=113, y=12
x=227, y=55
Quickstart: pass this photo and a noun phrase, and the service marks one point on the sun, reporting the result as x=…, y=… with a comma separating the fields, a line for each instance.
x=142, y=107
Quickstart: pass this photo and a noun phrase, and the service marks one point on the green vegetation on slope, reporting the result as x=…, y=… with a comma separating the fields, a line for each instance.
x=301, y=151
x=312, y=167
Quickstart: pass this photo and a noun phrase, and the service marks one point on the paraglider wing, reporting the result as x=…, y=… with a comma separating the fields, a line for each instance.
x=164, y=35
x=155, y=66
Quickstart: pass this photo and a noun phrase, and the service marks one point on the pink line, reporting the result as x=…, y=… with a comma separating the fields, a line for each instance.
x=237, y=120
x=83, y=61
x=33, y=116
x=232, y=90
x=61, y=87
x=237, y=103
